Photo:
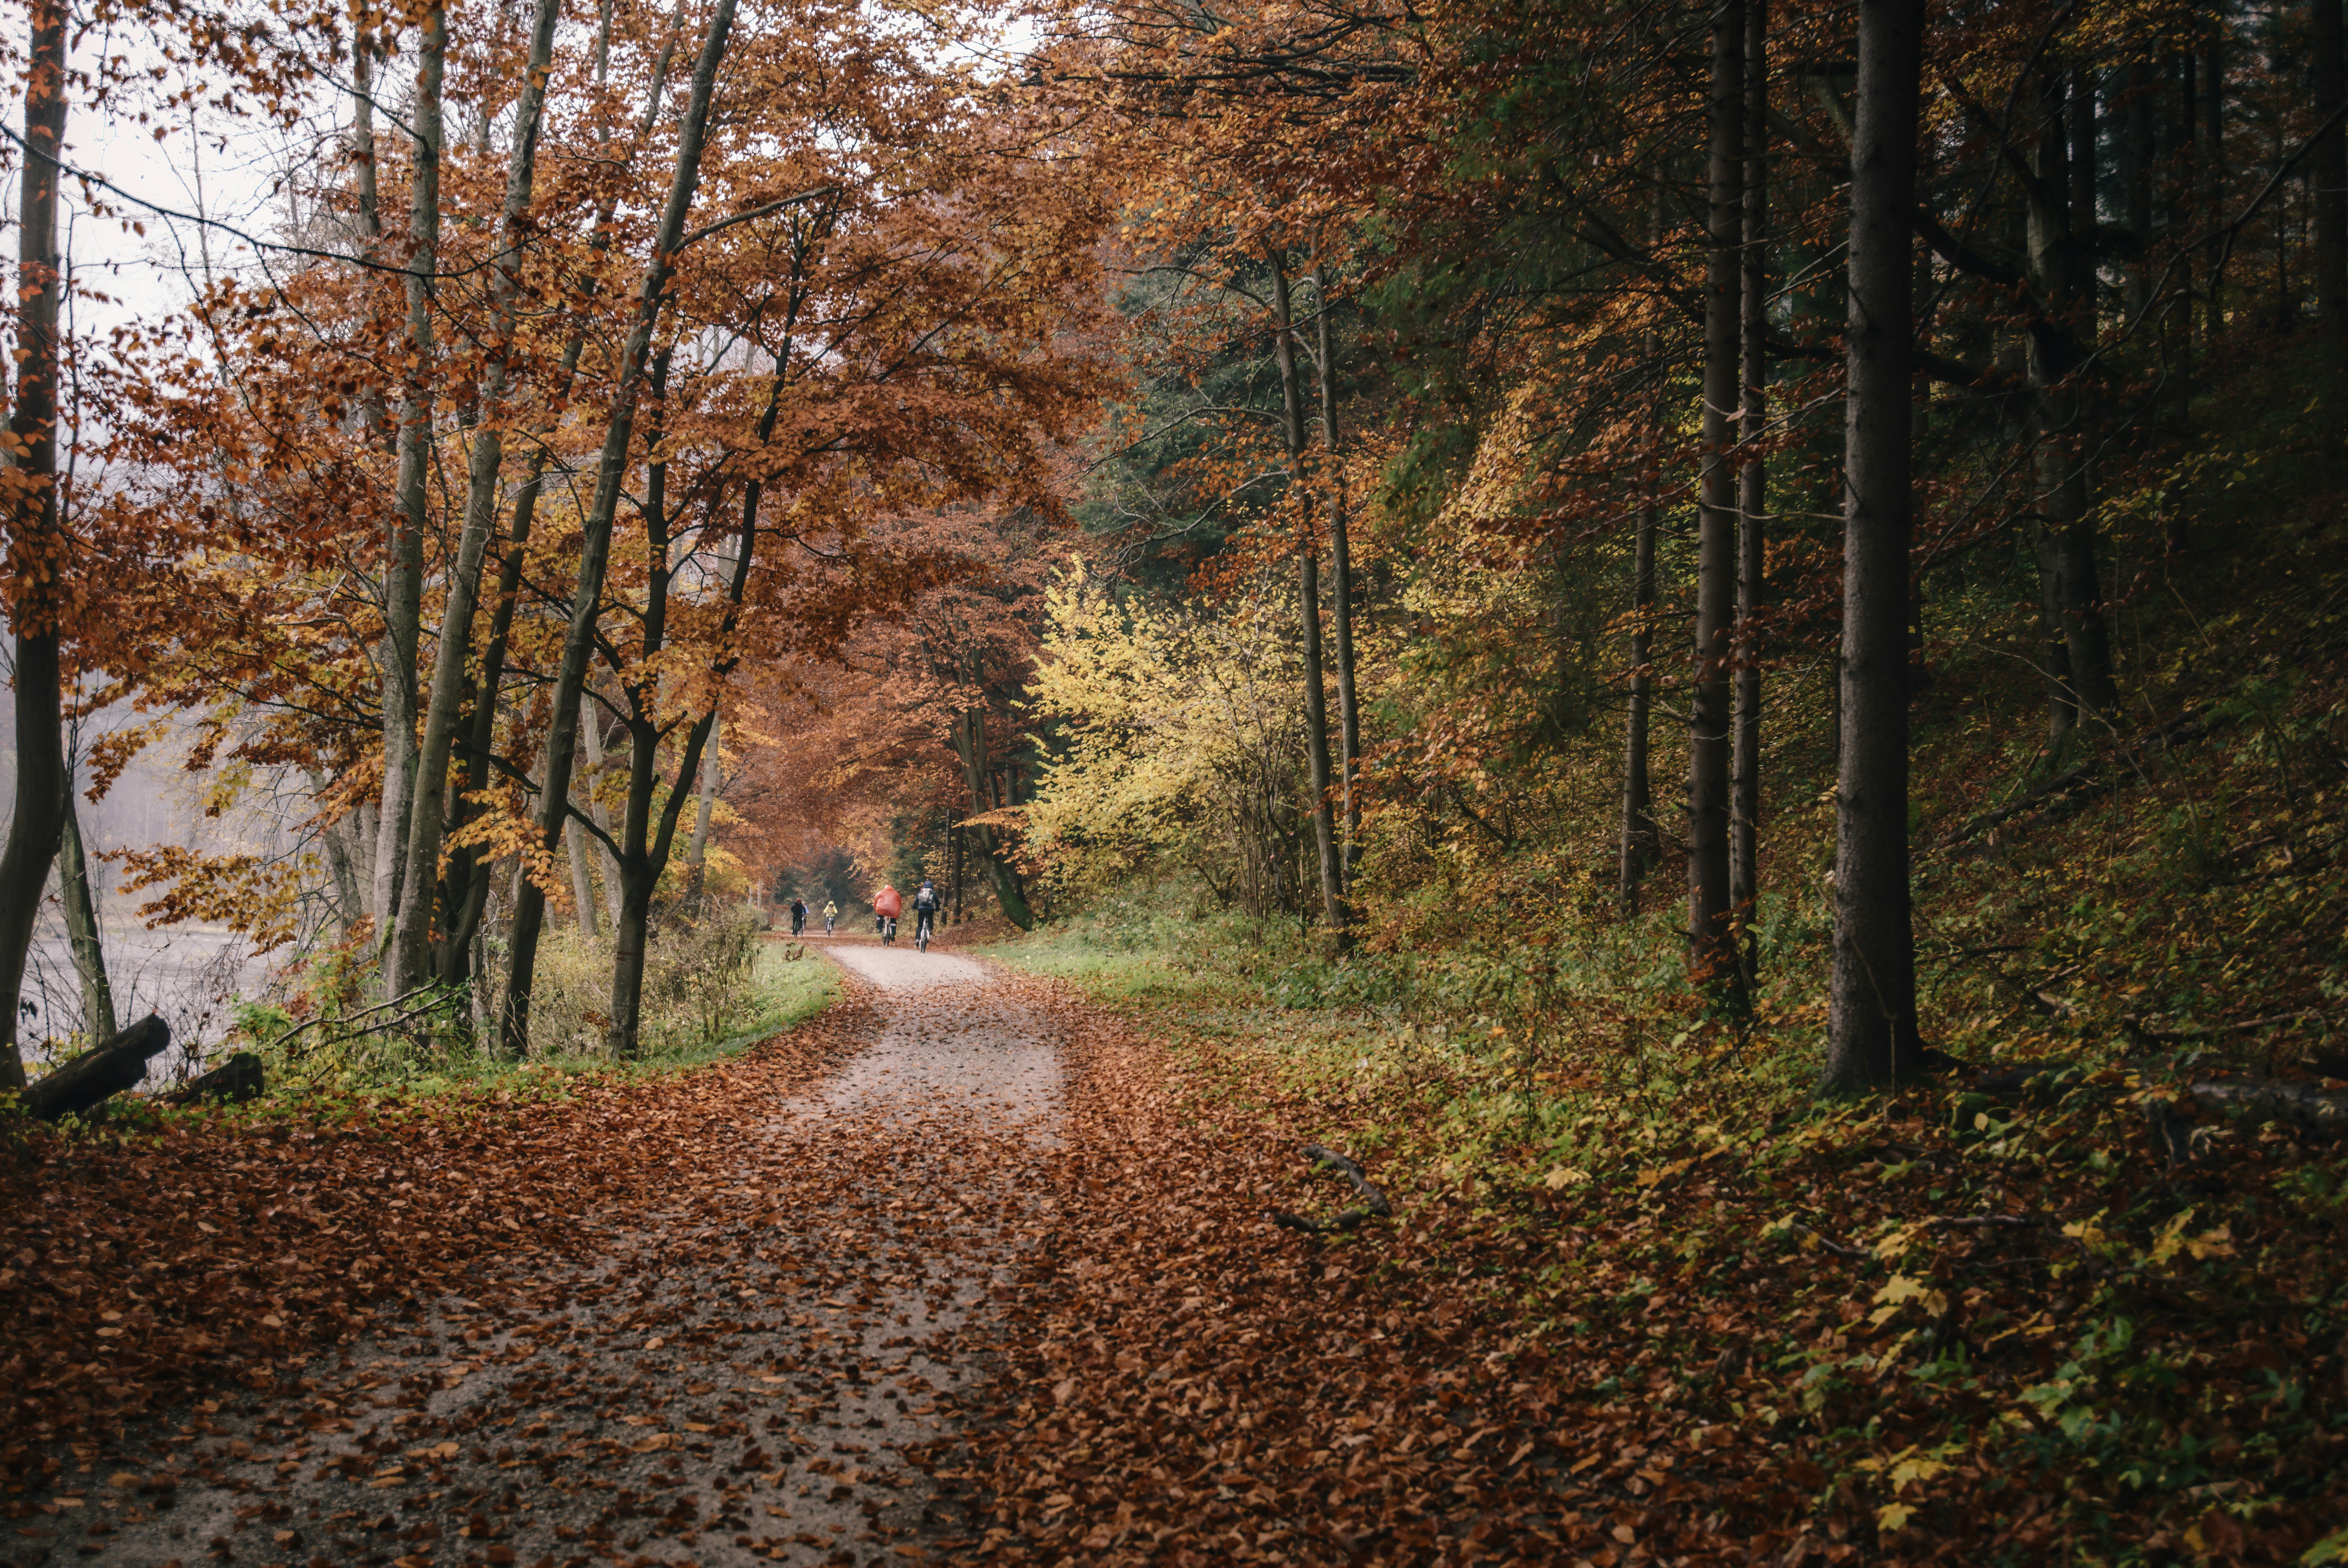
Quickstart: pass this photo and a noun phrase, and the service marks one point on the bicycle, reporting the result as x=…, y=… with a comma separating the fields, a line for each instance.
x=889, y=933
x=924, y=927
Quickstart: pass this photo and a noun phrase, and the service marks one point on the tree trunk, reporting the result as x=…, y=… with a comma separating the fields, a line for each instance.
x=467, y=867
x=410, y=955
x=1642, y=842
x=1308, y=607
x=607, y=862
x=1341, y=590
x=697, y=853
x=1871, y=1007
x=403, y=581
x=2061, y=218
x=582, y=883
x=82, y=930
x=2213, y=174
x=41, y=782
x=335, y=838
x=1752, y=499
x=1712, y=954
x=2328, y=170
x=595, y=542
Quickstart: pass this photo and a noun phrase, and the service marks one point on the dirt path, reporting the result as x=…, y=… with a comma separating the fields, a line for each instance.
x=743, y=1371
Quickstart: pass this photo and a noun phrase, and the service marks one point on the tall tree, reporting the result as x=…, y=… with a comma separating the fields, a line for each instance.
x=1871, y=1004
x=410, y=956
x=1308, y=605
x=411, y=516
x=34, y=545
x=595, y=543
x=1752, y=496
x=1712, y=954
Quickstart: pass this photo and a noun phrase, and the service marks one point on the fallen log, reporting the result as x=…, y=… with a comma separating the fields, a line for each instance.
x=2322, y=1112
x=1374, y=1204
x=98, y=1075
x=236, y=1080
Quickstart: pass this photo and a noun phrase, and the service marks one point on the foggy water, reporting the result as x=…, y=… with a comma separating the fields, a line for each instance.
x=191, y=976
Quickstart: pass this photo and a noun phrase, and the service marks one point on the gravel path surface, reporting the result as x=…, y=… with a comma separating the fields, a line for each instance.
x=747, y=1371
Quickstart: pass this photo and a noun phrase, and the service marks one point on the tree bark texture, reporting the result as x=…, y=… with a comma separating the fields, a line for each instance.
x=1341, y=588
x=1712, y=956
x=1752, y=498
x=582, y=883
x=82, y=929
x=403, y=576
x=41, y=782
x=595, y=542
x=410, y=955
x=1871, y=1006
x=1308, y=608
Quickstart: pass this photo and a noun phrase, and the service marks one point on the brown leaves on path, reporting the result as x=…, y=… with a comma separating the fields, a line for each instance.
x=134, y=1272
x=1192, y=1385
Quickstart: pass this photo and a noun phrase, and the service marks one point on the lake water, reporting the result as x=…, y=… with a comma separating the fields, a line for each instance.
x=191, y=976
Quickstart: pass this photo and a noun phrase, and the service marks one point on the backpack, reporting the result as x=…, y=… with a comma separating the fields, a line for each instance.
x=926, y=899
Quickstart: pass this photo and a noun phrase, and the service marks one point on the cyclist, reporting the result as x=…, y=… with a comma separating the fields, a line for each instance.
x=798, y=914
x=887, y=905
x=830, y=913
x=925, y=914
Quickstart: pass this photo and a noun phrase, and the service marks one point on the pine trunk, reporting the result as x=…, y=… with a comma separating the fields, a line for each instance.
x=1871, y=1007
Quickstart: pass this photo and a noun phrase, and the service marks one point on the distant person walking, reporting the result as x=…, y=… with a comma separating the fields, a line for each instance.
x=798, y=914
x=830, y=913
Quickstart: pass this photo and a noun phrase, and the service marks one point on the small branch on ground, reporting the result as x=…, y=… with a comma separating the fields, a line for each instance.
x=1374, y=1204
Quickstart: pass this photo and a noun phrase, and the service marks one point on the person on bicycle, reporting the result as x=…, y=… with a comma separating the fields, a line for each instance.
x=798, y=914
x=887, y=905
x=925, y=912
x=830, y=913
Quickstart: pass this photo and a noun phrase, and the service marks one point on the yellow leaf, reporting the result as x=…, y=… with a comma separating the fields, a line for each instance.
x=1893, y=1516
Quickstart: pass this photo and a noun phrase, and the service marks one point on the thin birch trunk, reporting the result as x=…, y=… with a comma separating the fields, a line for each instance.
x=411, y=954
x=1308, y=607
x=411, y=515
x=41, y=780
x=1872, y=1017
x=1711, y=954
x=595, y=542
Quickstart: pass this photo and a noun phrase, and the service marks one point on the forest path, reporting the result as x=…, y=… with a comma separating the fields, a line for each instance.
x=751, y=1368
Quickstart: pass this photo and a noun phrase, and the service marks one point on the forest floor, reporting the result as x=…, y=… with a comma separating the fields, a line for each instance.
x=980, y=1264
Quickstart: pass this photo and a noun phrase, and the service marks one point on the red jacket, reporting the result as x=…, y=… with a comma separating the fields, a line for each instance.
x=890, y=903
